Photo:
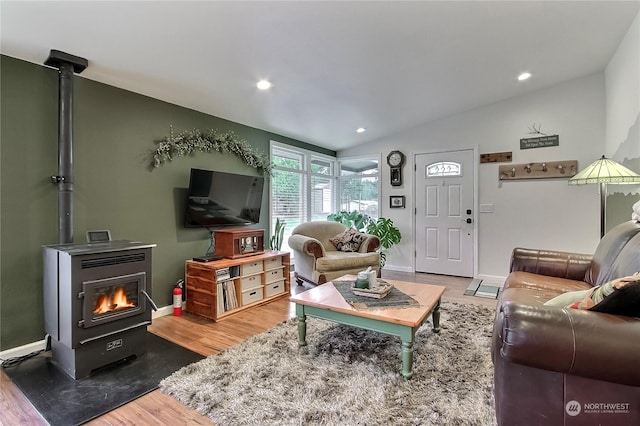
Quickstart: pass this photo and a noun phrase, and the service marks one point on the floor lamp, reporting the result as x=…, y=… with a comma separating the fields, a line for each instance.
x=605, y=171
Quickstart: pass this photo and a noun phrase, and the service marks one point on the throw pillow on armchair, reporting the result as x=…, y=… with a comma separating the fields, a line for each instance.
x=349, y=240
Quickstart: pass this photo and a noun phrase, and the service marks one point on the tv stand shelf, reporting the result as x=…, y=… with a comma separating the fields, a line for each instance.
x=224, y=287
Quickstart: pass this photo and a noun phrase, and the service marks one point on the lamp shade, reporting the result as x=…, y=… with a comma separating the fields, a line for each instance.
x=605, y=170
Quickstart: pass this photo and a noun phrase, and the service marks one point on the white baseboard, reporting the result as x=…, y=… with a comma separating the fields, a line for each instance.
x=23, y=350
x=487, y=279
x=164, y=311
x=40, y=345
x=492, y=279
x=396, y=268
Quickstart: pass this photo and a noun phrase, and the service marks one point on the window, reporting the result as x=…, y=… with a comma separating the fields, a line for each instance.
x=358, y=183
x=302, y=187
x=444, y=168
x=322, y=188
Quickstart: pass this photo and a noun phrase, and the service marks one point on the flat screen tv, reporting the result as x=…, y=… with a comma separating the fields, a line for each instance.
x=218, y=199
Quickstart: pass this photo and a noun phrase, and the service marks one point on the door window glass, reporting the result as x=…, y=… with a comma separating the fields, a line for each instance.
x=444, y=168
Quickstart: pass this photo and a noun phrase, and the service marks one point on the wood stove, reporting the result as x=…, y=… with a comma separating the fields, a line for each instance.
x=97, y=303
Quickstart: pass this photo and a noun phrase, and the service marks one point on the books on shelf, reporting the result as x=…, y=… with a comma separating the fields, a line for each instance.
x=220, y=297
x=233, y=298
x=227, y=298
x=222, y=274
x=216, y=290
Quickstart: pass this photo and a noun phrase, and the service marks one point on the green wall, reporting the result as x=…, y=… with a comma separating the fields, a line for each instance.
x=114, y=133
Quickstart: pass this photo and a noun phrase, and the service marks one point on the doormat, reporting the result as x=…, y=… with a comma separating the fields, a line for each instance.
x=488, y=291
x=63, y=401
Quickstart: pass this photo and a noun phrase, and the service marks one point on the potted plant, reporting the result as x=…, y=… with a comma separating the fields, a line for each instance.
x=276, y=238
x=353, y=219
x=382, y=228
x=388, y=234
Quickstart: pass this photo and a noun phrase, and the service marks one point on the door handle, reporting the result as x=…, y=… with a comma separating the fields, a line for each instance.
x=469, y=220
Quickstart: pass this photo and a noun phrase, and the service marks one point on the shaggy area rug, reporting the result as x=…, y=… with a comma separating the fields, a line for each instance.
x=348, y=376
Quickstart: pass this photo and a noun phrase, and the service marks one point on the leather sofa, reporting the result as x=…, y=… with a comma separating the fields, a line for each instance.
x=318, y=261
x=562, y=366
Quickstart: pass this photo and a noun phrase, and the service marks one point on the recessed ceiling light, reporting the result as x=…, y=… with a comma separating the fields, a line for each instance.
x=360, y=129
x=263, y=85
x=524, y=76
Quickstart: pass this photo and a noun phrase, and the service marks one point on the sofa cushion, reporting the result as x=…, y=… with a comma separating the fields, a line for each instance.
x=349, y=240
x=607, y=263
x=321, y=231
x=570, y=299
x=561, y=264
x=533, y=281
x=626, y=264
x=528, y=296
x=339, y=260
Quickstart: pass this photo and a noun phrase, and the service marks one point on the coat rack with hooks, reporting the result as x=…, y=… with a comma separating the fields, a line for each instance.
x=543, y=170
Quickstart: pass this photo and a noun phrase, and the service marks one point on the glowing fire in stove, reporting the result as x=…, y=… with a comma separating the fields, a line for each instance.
x=115, y=302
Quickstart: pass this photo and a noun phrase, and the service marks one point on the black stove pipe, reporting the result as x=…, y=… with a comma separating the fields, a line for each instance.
x=67, y=65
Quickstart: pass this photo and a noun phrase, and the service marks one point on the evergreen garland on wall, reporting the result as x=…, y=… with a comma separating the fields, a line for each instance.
x=191, y=142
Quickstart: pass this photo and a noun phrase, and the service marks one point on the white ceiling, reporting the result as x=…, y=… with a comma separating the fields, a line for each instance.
x=335, y=66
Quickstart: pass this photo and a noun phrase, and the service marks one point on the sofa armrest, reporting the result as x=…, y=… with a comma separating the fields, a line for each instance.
x=370, y=244
x=571, y=341
x=307, y=245
x=559, y=264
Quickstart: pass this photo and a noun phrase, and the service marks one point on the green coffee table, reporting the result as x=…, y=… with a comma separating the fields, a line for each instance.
x=325, y=302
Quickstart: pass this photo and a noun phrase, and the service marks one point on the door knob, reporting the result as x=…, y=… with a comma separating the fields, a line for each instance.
x=468, y=211
x=469, y=220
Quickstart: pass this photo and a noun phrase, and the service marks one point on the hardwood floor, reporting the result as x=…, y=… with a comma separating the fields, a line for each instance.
x=207, y=338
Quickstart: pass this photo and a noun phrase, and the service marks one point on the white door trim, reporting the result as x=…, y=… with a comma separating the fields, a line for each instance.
x=476, y=159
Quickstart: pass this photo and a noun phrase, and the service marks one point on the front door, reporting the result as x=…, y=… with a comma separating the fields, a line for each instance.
x=445, y=213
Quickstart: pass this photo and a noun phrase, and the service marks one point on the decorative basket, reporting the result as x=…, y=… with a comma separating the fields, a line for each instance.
x=380, y=292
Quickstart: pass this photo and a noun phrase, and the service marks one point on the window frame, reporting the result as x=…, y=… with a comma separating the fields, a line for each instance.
x=358, y=158
x=305, y=171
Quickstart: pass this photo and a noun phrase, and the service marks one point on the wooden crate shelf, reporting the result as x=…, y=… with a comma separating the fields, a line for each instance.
x=266, y=273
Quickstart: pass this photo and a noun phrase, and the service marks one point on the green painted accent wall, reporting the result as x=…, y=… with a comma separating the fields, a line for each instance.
x=114, y=188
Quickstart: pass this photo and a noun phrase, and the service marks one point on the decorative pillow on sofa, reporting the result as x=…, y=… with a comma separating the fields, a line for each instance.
x=624, y=301
x=349, y=240
x=570, y=299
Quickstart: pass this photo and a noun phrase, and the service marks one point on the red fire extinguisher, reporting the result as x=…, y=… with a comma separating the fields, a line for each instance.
x=177, y=298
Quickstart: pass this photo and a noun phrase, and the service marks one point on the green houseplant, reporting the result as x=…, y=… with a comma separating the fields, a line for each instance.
x=382, y=228
x=353, y=219
x=278, y=235
x=388, y=233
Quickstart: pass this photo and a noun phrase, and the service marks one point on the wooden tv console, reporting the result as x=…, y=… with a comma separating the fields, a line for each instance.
x=221, y=288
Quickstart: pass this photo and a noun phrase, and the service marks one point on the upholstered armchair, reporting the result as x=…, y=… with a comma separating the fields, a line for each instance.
x=317, y=260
